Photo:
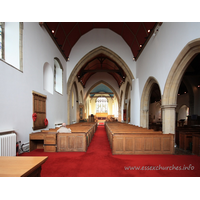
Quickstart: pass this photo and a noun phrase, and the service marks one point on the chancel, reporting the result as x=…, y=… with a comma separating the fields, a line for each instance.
x=126, y=91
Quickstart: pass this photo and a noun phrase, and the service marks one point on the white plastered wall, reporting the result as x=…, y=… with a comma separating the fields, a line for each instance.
x=16, y=87
x=162, y=50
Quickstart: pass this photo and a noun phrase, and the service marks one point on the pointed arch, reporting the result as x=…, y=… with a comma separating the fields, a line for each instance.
x=169, y=100
x=105, y=83
x=177, y=71
x=144, y=106
x=126, y=101
x=99, y=50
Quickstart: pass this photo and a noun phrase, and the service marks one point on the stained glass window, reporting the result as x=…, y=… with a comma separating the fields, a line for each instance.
x=101, y=105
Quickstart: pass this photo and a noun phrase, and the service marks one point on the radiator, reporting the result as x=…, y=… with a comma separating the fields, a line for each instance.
x=8, y=145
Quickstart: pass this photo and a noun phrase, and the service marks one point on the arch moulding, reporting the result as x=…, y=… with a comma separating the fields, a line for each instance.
x=169, y=100
x=145, y=99
x=105, y=83
x=112, y=55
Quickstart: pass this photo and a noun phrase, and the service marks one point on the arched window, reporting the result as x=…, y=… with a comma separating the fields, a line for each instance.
x=48, y=78
x=58, y=76
x=101, y=105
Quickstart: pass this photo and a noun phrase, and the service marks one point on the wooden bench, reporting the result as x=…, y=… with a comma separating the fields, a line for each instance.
x=196, y=143
x=43, y=140
x=130, y=139
x=185, y=138
x=51, y=141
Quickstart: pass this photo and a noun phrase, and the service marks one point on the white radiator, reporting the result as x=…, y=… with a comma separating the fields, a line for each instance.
x=8, y=145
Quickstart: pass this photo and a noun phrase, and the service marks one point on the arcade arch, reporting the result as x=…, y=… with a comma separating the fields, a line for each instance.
x=169, y=100
x=87, y=58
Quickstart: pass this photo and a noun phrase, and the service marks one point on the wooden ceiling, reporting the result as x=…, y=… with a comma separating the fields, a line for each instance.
x=101, y=63
x=66, y=34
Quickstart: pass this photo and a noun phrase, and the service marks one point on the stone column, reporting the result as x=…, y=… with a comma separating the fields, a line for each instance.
x=168, y=118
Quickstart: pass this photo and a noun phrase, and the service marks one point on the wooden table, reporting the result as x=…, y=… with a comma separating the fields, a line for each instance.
x=19, y=166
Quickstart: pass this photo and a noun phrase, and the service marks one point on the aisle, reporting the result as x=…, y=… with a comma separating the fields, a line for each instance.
x=98, y=161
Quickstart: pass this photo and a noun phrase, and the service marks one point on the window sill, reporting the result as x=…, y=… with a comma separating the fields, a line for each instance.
x=10, y=65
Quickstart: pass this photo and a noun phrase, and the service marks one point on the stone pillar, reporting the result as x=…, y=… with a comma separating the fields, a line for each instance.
x=135, y=103
x=168, y=118
x=145, y=118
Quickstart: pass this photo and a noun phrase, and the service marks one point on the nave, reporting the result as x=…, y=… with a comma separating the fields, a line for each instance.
x=98, y=161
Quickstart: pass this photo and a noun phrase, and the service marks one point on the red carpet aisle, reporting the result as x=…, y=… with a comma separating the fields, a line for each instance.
x=98, y=161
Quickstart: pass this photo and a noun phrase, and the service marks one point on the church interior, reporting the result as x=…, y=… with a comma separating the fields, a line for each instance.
x=130, y=88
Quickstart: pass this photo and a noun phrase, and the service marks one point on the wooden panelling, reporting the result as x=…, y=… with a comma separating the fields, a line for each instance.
x=196, y=144
x=148, y=144
x=128, y=144
x=49, y=148
x=129, y=139
x=62, y=143
x=78, y=140
x=119, y=144
x=139, y=144
x=157, y=144
x=39, y=107
x=166, y=144
x=71, y=142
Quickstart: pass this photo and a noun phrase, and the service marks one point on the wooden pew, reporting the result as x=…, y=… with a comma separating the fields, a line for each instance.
x=130, y=139
x=43, y=140
x=196, y=143
x=185, y=138
x=51, y=141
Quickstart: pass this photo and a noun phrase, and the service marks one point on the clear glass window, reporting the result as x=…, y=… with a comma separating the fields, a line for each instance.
x=101, y=105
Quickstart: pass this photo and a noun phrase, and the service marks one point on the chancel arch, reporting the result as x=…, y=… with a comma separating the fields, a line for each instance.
x=106, y=84
x=102, y=89
x=87, y=58
x=169, y=100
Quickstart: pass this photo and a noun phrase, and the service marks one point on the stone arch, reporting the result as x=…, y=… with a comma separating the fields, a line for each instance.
x=191, y=97
x=105, y=83
x=74, y=99
x=126, y=101
x=177, y=71
x=174, y=78
x=144, y=106
x=87, y=58
x=81, y=96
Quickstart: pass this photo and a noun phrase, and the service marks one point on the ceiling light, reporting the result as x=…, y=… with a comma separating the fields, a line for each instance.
x=52, y=31
x=140, y=46
x=149, y=31
x=198, y=86
x=133, y=58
